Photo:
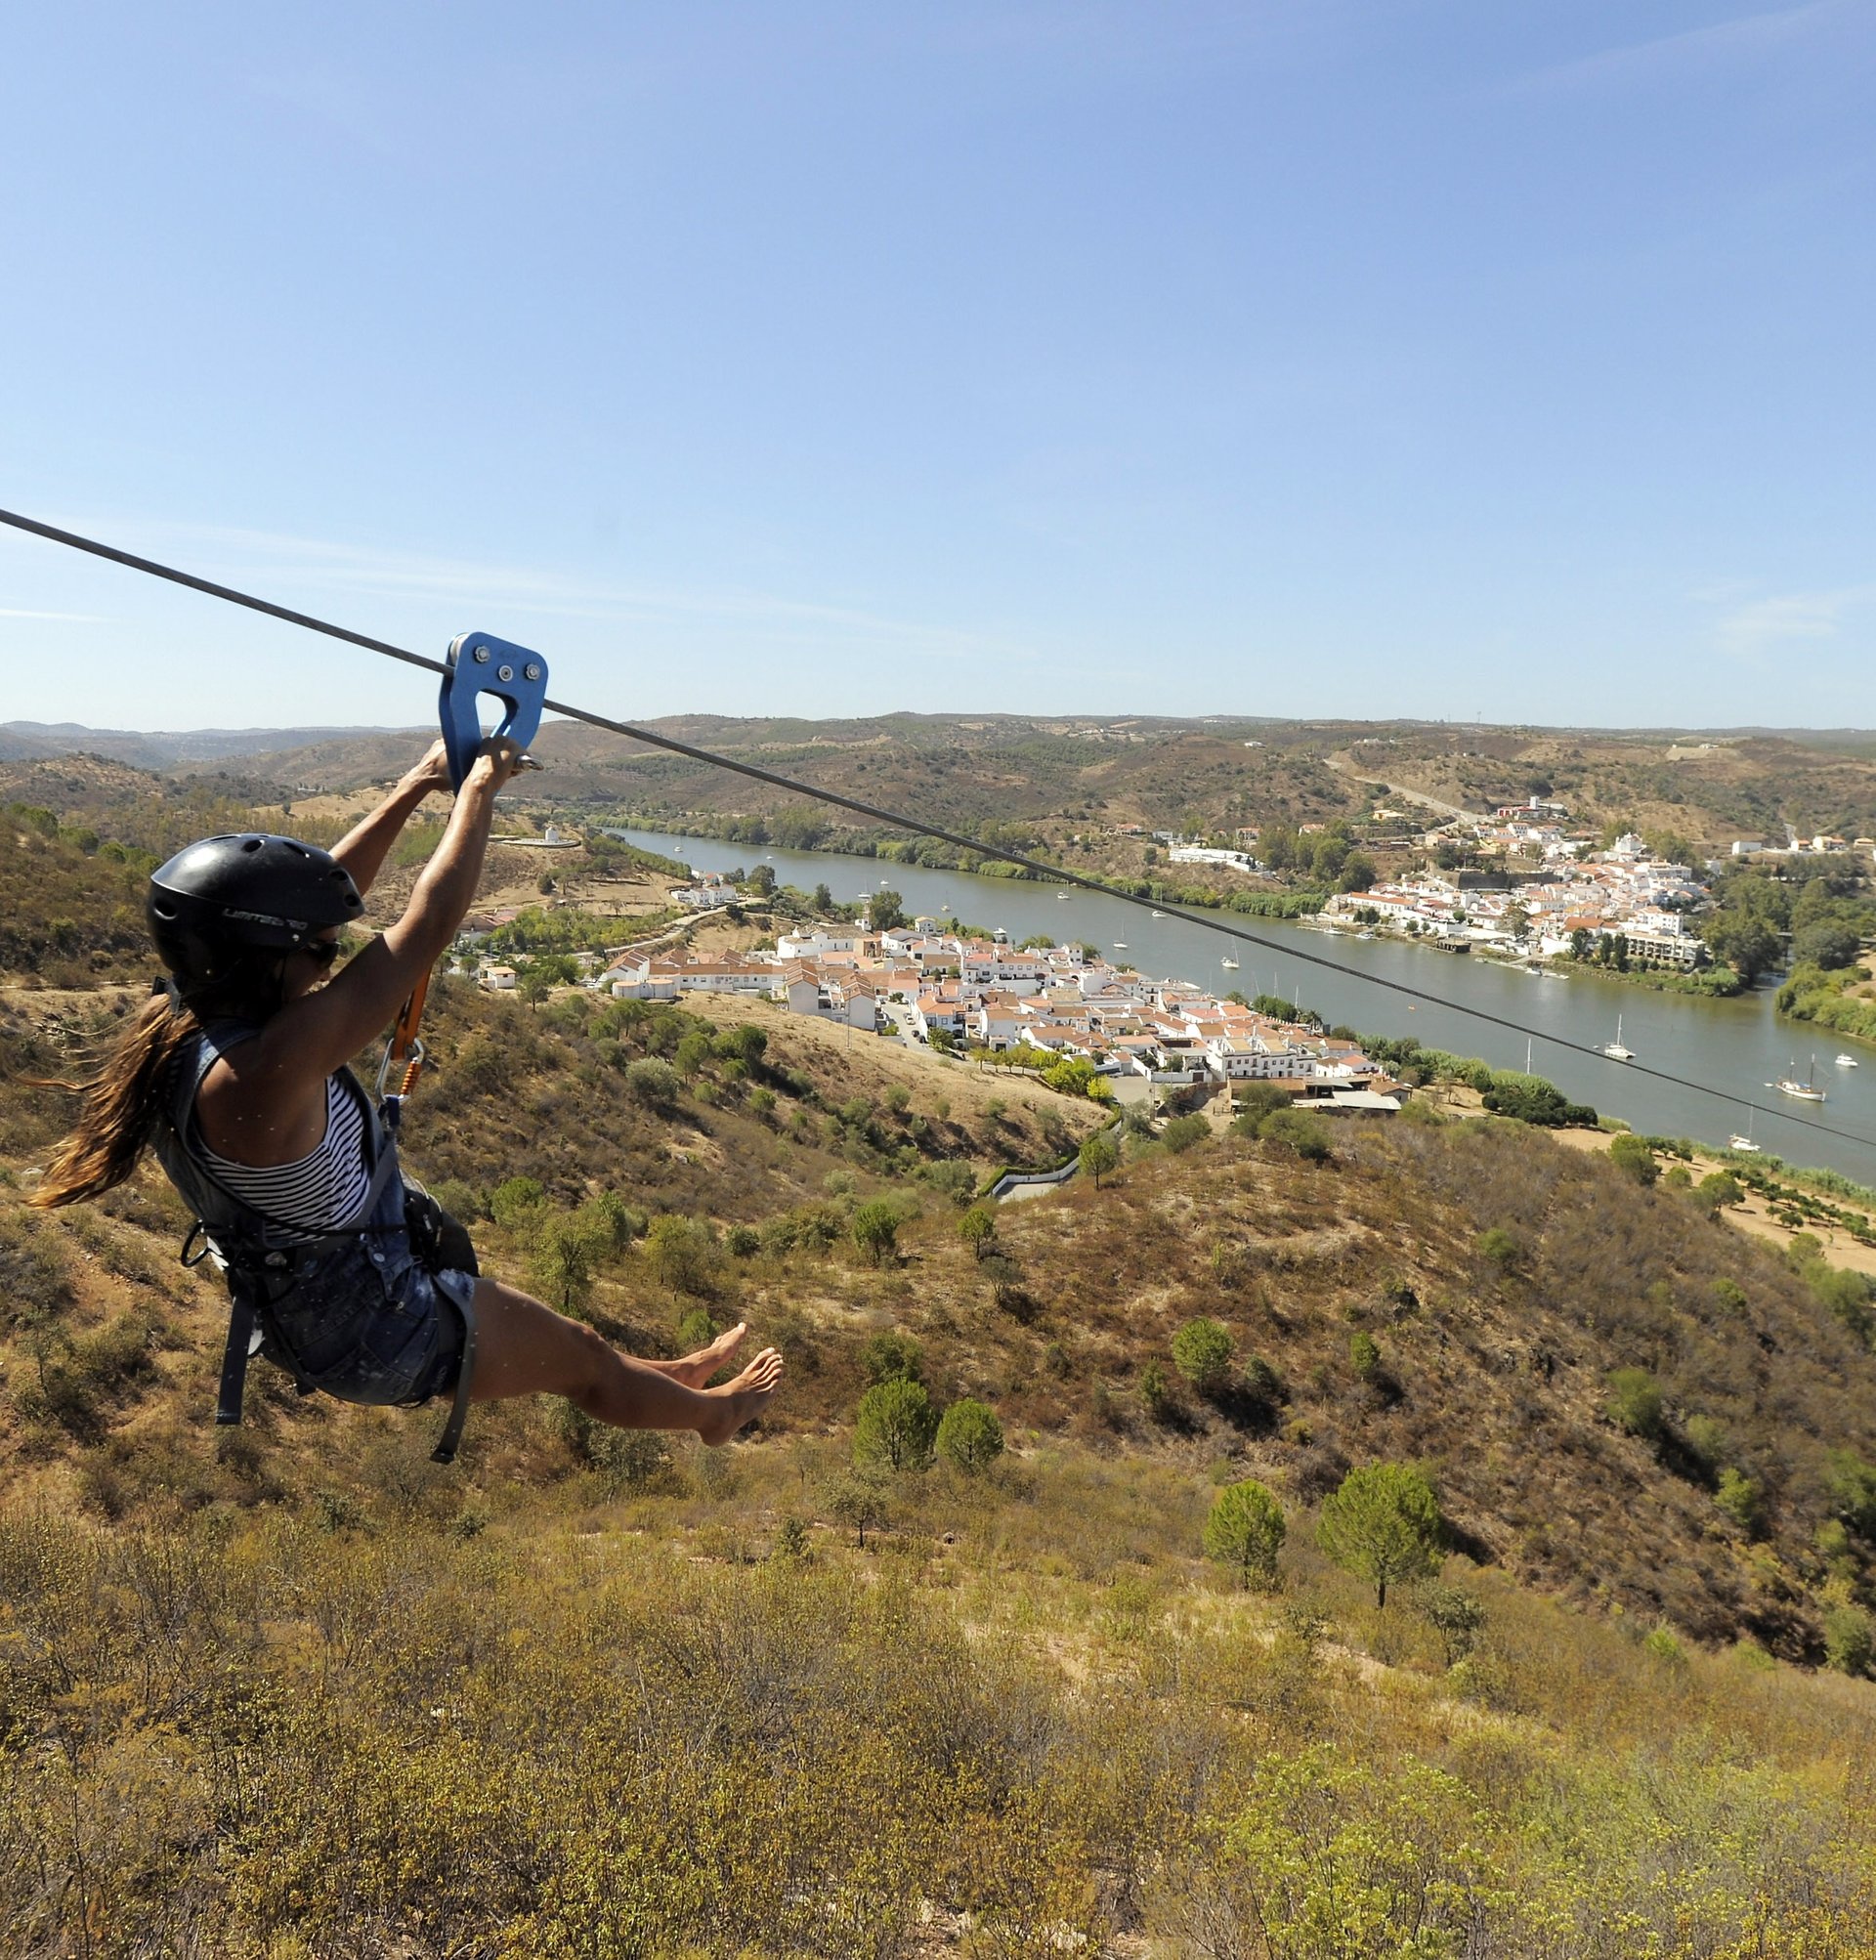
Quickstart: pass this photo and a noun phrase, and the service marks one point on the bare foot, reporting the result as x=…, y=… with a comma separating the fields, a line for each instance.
x=696, y=1369
x=740, y=1401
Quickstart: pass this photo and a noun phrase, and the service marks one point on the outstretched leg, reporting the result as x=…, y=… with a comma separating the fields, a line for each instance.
x=526, y=1348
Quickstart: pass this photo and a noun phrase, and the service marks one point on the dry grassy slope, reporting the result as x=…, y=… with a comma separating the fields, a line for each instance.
x=950, y=769
x=1754, y=786
x=93, y=1294
x=1497, y=1379
x=1500, y=1377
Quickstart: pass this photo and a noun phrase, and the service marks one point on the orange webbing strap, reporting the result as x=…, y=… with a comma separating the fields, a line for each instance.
x=407, y=1047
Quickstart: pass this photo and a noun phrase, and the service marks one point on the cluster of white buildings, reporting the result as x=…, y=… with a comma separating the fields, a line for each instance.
x=940, y=988
x=1625, y=891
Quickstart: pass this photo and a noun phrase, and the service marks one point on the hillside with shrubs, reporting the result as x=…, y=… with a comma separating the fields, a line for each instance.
x=1290, y=1540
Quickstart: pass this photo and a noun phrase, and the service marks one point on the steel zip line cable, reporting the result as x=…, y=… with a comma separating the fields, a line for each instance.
x=895, y=819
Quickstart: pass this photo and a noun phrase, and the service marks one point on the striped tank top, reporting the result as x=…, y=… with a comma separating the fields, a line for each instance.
x=320, y=1191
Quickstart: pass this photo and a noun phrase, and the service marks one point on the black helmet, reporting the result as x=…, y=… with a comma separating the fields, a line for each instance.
x=224, y=899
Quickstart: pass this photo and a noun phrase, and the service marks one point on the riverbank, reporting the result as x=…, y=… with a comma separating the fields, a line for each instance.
x=1844, y=1001
x=1710, y=983
x=1715, y=1057
x=923, y=855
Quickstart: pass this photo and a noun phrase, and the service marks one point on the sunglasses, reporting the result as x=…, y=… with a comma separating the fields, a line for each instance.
x=321, y=951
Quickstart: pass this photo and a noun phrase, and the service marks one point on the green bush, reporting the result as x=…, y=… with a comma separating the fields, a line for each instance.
x=892, y=1356
x=1533, y=1101
x=514, y=1203
x=1181, y=1132
x=1457, y=1616
x=875, y=1229
x=655, y=1084
x=978, y=1229
x=970, y=1436
x=1742, y=1501
x=1202, y=1353
x=692, y=1054
x=1851, y=1485
x=1383, y=1525
x=1297, y=1131
x=1364, y=1354
x=1730, y=1296
x=561, y=1263
x=1261, y=1382
x=1244, y=1532
x=1707, y=1438
x=1502, y=1248
x=1631, y=1157
x=683, y=1254
x=1634, y=1403
x=1251, y=1102
x=696, y=1328
x=612, y=1223
x=1719, y=1189
x=1849, y=1639
x=1098, y=1157
x=895, y=1426
x=1845, y=1294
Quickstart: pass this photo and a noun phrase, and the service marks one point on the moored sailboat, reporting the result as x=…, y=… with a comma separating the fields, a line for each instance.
x=1806, y=1091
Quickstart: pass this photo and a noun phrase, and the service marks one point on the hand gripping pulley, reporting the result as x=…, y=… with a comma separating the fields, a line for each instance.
x=479, y=663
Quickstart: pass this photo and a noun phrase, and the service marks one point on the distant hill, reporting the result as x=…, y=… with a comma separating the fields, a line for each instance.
x=26, y=740
x=1026, y=781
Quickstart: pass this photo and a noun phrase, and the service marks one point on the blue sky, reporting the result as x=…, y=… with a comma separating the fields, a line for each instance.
x=1354, y=358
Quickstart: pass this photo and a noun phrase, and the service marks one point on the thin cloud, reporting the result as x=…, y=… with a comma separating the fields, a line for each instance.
x=321, y=564
x=1790, y=617
x=1748, y=36
x=72, y=619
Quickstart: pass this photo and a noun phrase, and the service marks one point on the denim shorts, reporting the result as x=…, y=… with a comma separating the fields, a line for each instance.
x=368, y=1324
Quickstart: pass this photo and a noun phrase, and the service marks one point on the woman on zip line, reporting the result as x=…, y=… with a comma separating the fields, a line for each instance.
x=236, y=1074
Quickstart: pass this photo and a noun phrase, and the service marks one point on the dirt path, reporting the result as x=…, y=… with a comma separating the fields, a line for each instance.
x=1344, y=764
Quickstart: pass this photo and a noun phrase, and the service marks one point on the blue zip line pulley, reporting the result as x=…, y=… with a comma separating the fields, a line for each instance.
x=477, y=664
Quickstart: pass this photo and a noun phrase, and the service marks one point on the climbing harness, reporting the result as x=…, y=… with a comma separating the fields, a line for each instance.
x=1056, y=873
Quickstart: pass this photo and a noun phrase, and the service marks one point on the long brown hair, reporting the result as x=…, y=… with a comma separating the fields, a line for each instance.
x=124, y=1099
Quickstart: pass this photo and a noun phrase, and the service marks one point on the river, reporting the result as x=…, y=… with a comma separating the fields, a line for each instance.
x=1738, y=1046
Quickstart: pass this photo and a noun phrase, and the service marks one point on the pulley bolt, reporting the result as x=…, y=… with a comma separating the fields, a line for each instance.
x=482, y=655
x=504, y=672
x=532, y=671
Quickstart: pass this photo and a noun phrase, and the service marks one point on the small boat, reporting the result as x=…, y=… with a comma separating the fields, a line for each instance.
x=1745, y=1142
x=1806, y=1091
x=1614, y=1049
x=1228, y=964
x=1120, y=946
x=1364, y=935
x=1064, y=894
x=1848, y=1062
x=1159, y=914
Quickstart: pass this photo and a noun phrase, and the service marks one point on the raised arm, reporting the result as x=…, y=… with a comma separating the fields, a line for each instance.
x=270, y=1082
x=363, y=848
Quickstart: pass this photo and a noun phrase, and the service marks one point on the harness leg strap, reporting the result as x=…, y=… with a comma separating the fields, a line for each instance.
x=240, y=1342
x=446, y=1449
